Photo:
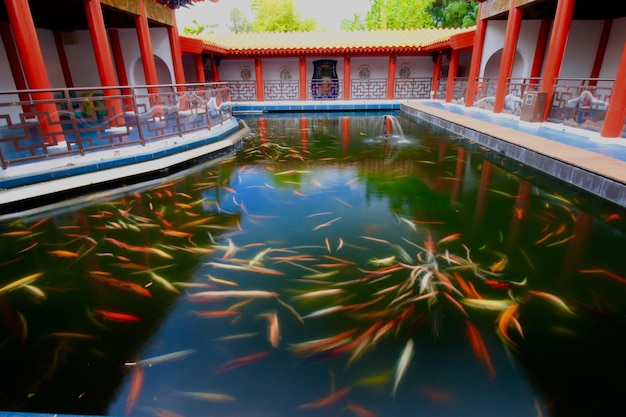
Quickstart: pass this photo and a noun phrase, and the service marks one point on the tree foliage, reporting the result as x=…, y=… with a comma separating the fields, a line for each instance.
x=399, y=14
x=357, y=23
x=454, y=13
x=279, y=16
x=198, y=29
x=239, y=22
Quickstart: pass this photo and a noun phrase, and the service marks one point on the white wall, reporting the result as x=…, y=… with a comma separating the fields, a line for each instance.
x=273, y=66
x=51, y=58
x=615, y=49
x=581, y=48
x=379, y=67
x=82, y=60
x=421, y=66
x=494, y=41
x=229, y=69
x=524, y=50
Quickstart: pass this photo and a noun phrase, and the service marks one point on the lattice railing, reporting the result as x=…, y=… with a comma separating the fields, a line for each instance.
x=281, y=90
x=37, y=124
x=371, y=89
x=242, y=90
x=413, y=88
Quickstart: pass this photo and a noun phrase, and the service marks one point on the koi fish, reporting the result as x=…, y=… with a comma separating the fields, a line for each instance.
x=321, y=345
x=131, y=286
x=208, y=396
x=63, y=254
x=320, y=293
x=20, y=282
x=168, y=357
x=479, y=348
x=553, y=298
x=241, y=361
x=215, y=314
x=136, y=383
x=273, y=334
x=115, y=316
x=209, y=295
x=402, y=365
x=504, y=320
x=326, y=401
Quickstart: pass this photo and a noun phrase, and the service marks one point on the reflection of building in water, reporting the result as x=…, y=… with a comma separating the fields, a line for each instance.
x=325, y=84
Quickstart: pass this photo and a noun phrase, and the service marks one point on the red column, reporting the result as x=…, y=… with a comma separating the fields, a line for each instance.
x=454, y=63
x=197, y=60
x=177, y=55
x=391, y=77
x=540, y=50
x=345, y=134
x=302, y=75
x=14, y=63
x=258, y=73
x=102, y=52
x=65, y=66
x=215, y=70
x=347, y=78
x=34, y=67
x=145, y=46
x=508, y=55
x=304, y=132
x=436, y=74
x=120, y=66
x=604, y=40
x=616, y=112
x=477, y=54
x=556, y=49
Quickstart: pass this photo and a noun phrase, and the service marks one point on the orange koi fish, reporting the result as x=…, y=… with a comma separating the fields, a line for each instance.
x=241, y=361
x=63, y=254
x=215, y=314
x=321, y=345
x=115, y=316
x=125, y=285
x=326, y=401
x=136, y=383
x=504, y=320
x=360, y=411
x=273, y=334
x=449, y=238
x=479, y=348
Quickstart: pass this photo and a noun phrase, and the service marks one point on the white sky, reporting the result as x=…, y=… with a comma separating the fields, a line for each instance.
x=328, y=13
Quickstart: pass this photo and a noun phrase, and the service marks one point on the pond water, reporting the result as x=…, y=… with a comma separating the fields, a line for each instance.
x=336, y=265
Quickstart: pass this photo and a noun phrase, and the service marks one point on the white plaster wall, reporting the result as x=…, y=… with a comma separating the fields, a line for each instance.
x=230, y=68
x=421, y=66
x=273, y=66
x=525, y=48
x=614, y=49
x=161, y=49
x=581, y=47
x=82, y=61
x=494, y=41
x=379, y=67
x=51, y=58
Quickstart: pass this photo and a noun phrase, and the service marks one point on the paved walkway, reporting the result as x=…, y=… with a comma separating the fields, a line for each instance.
x=580, y=157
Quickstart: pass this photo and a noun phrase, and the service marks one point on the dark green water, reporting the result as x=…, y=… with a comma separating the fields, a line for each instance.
x=504, y=289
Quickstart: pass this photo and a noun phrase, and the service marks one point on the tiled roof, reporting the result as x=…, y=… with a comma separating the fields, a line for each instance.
x=273, y=43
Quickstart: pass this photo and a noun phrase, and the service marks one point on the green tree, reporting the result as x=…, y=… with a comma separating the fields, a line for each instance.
x=355, y=24
x=399, y=14
x=279, y=16
x=199, y=29
x=239, y=22
x=454, y=13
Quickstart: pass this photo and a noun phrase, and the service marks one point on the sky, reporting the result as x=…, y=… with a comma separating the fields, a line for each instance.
x=328, y=13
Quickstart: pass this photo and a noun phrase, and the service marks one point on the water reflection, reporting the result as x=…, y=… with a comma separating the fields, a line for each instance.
x=320, y=272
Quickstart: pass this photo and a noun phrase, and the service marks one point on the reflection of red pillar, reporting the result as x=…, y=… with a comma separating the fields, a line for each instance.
x=197, y=60
x=508, y=55
x=459, y=172
x=477, y=55
x=519, y=211
x=14, y=63
x=304, y=132
x=345, y=134
x=303, y=81
x=34, y=67
x=388, y=126
x=145, y=46
x=436, y=75
x=347, y=80
x=481, y=200
x=454, y=63
x=263, y=130
x=556, y=49
x=391, y=77
x=616, y=112
x=540, y=50
x=258, y=73
x=102, y=52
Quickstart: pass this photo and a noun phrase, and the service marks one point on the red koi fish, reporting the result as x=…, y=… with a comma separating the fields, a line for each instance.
x=241, y=361
x=326, y=401
x=115, y=316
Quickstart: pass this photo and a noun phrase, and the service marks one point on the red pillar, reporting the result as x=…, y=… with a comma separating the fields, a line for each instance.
x=616, y=112
x=508, y=55
x=197, y=60
x=477, y=54
x=436, y=74
x=540, y=50
x=14, y=63
x=302, y=75
x=347, y=78
x=102, y=52
x=145, y=46
x=391, y=77
x=454, y=63
x=177, y=55
x=304, y=132
x=34, y=67
x=258, y=73
x=120, y=66
x=215, y=70
x=65, y=66
x=556, y=49
x=345, y=134
x=601, y=51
